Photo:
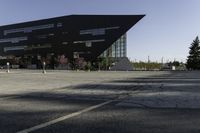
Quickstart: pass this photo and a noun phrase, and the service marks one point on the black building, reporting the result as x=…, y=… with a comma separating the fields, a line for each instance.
x=62, y=40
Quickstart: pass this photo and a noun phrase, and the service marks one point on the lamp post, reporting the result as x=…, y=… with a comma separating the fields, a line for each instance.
x=43, y=66
x=8, y=67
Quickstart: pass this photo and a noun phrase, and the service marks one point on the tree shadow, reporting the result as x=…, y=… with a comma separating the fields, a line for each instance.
x=30, y=109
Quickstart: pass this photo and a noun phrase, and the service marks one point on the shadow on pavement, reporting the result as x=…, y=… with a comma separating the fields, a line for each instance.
x=30, y=109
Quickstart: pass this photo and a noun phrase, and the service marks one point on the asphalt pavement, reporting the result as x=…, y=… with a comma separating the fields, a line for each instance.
x=99, y=102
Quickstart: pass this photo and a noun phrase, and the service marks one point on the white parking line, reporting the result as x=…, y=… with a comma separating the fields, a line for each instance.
x=8, y=97
x=63, y=118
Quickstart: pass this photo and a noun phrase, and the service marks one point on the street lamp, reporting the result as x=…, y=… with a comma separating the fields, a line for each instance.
x=8, y=67
x=44, y=65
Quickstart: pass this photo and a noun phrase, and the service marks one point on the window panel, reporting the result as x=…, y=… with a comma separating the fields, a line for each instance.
x=13, y=40
x=98, y=31
x=28, y=29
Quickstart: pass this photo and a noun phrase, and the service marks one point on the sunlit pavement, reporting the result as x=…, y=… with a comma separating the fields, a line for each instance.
x=100, y=102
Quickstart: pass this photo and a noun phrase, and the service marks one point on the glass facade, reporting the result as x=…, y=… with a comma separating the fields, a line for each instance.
x=117, y=49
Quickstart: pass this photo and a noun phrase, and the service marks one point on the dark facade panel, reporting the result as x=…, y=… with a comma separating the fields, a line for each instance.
x=84, y=36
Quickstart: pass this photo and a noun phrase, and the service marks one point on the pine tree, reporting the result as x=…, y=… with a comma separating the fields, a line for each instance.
x=193, y=61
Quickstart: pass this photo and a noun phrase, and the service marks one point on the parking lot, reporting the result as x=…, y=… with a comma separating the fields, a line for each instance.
x=100, y=102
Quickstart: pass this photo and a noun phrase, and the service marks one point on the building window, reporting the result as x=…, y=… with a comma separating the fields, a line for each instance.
x=42, y=36
x=13, y=40
x=59, y=25
x=88, y=44
x=28, y=29
x=89, y=41
x=51, y=34
x=45, y=36
x=64, y=43
x=38, y=46
x=96, y=32
x=6, y=49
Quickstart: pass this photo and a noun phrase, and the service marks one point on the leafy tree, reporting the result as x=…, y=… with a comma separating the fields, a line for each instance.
x=193, y=61
x=174, y=63
x=146, y=66
x=105, y=62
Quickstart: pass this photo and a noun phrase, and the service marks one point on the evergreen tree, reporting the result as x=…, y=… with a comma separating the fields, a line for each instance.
x=193, y=61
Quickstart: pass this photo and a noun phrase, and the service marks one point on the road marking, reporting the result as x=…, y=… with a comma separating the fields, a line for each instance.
x=8, y=97
x=64, y=118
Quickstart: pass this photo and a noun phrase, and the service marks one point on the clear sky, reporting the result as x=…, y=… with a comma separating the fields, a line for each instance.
x=167, y=30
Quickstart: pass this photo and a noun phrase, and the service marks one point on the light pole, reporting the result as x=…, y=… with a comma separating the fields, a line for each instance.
x=8, y=67
x=148, y=59
x=44, y=65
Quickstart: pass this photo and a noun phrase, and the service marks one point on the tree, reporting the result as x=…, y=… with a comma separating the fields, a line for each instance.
x=105, y=62
x=193, y=61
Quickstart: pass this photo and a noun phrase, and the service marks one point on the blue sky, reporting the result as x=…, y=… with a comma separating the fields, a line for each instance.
x=167, y=30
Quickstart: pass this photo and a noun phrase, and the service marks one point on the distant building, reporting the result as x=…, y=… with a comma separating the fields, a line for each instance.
x=61, y=40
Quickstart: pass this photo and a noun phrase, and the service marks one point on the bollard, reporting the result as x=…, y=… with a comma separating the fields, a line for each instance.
x=44, y=71
x=8, y=67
